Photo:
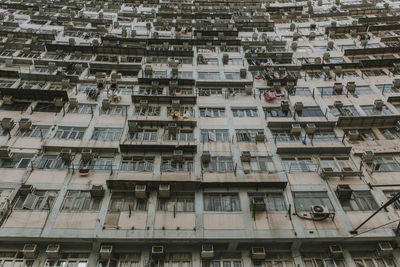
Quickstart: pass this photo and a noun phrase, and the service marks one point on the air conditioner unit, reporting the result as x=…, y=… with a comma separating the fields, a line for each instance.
x=52, y=66
x=396, y=83
x=319, y=211
x=243, y=73
x=30, y=251
x=285, y=105
x=25, y=124
x=97, y=191
x=249, y=90
x=368, y=156
x=164, y=190
x=378, y=104
x=206, y=157
x=140, y=191
x=173, y=84
x=298, y=106
x=353, y=135
x=65, y=83
x=9, y=62
x=258, y=253
x=338, y=88
x=385, y=249
x=296, y=129
x=176, y=103
x=53, y=251
x=66, y=155
x=260, y=137
x=25, y=189
x=338, y=104
x=7, y=124
x=311, y=128
x=397, y=127
x=155, y=84
x=225, y=58
x=326, y=70
x=245, y=156
x=86, y=154
x=105, y=104
x=58, y=102
x=207, y=251
x=157, y=251
x=326, y=56
x=73, y=102
x=105, y=252
x=177, y=155
x=258, y=204
x=8, y=100
x=335, y=251
x=343, y=191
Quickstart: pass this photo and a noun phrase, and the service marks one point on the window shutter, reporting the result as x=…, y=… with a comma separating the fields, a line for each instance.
x=30, y=201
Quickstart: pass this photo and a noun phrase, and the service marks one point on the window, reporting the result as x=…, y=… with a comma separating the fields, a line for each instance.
x=336, y=163
x=322, y=261
x=302, y=91
x=177, y=203
x=371, y=110
x=210, y=92
x=285, y=136
x=126, y=201
x=385, y=164
x=137, y=164
x=51, y=162
x=150, y=110
x=324, y=136
x=389, y=195
x=259, y=164
x=80, y=201
x=185, y=135
x=248, y=135
x=211, y=135
x=69, y=133
x=310, y=112
x=387, y=88
x=366, y=135
x=143, y=135
x=276, y=260
x=208, y=75
x=348, y=74
x=372, y=261
x=274, y=201
x=99, y=163
x=107, y=134
x=326, y=90
x=221, y=202
x=232, y=76
x=184, y=111
x=123, y=260
x=299, y=164
x=277, y=112
x=390, y=133
x=305, y=200
x=170, y=165
x=38, y=200
x=344, y=111
x=70, y=259
x=177, y=259
x=46, y=107
x=16, y=161
x=222, y=263
x=82, y=109
x=212, y=112
x=363, y=90
x=185, y=75
x=373, y=73
x=114, y=110
x=220, y=164
x=11, y=259
x=35, y=131
x=244, y=113
x=15, y=106
x=360, y=200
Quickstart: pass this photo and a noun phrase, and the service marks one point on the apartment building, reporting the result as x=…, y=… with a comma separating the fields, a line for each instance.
x=200, y=133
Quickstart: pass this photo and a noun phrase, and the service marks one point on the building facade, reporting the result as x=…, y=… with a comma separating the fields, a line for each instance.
x=199, y=133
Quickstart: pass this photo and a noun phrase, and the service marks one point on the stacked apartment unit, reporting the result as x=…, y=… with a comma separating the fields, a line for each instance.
x=199, y=133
